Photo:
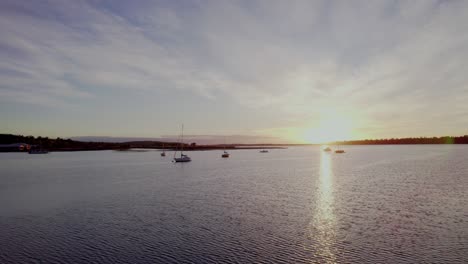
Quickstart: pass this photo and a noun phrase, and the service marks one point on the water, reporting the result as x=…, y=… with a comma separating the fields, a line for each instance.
x=374, y=204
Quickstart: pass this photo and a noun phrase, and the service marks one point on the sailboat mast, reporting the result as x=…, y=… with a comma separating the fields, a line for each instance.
x=182, y=141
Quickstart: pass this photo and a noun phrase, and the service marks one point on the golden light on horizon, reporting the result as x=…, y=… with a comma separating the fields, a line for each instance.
x=332, y=126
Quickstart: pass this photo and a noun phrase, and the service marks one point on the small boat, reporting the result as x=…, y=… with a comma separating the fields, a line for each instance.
x=163, y=154
x=225, y=153
x=263, y=151
x=183, y=157
x=339, y=151
x=327, y=149
x=38, y=151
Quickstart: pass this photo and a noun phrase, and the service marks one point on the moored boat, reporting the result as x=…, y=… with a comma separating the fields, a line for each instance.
x=38, y=151
x=183, y=157
x=225, y=153
x=163, y=153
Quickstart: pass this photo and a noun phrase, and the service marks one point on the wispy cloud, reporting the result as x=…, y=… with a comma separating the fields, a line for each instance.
x=388, y=62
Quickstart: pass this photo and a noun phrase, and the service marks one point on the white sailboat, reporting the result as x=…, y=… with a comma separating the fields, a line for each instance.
x=183, y=157
x=327, y=149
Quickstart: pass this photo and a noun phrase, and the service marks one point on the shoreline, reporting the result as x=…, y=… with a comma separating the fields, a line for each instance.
x=199, y=148
x=209, y=147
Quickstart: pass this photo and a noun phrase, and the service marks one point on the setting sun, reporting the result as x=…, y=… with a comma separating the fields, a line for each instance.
x=332, y=126
x=156, y=131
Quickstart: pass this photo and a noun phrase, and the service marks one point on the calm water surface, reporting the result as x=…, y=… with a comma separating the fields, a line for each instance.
x=374, y=204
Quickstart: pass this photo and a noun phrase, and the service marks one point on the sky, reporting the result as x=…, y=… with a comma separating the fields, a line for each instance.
x=280, y=71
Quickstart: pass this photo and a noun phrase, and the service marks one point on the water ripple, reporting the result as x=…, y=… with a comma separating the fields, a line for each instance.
x=372, y=205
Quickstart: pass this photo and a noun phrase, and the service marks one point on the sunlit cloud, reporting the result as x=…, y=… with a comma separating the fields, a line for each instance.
x=384, y=68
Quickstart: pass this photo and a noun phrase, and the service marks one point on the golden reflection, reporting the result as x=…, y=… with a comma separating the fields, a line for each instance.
x=325, y=198
x=323, y=226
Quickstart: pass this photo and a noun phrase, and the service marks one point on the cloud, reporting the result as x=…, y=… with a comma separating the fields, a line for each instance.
x=387, y=61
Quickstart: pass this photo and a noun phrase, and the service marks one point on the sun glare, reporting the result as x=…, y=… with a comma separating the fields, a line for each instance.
x=332, y=126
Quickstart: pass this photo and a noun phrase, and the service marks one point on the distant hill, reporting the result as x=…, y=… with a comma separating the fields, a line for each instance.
x=199, y=139
x=114, y=139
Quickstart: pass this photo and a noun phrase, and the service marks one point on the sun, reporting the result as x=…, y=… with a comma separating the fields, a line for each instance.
x=332, y=126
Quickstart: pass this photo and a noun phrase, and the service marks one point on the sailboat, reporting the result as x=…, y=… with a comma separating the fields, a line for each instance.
x=339, y=150
x=37, y=150
x=183, y=157
x=225, y=153
x=163, y=153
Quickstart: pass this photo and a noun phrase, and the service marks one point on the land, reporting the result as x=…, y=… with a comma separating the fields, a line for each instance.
x=406, y=141
x=59, y=144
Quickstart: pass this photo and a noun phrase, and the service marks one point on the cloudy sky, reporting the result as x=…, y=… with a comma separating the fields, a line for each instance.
x=298, y=71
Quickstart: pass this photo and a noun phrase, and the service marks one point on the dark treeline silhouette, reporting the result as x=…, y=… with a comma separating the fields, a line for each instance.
x=406, y=141
x=59, y=144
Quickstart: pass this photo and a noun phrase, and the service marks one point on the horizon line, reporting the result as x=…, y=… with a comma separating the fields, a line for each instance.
x=166, y=137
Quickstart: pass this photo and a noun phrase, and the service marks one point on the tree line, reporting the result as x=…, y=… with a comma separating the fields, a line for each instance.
x=407, y=141
x=59, y=144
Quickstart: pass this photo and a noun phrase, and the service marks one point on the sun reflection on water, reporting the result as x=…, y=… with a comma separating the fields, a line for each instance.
x=323, y=224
